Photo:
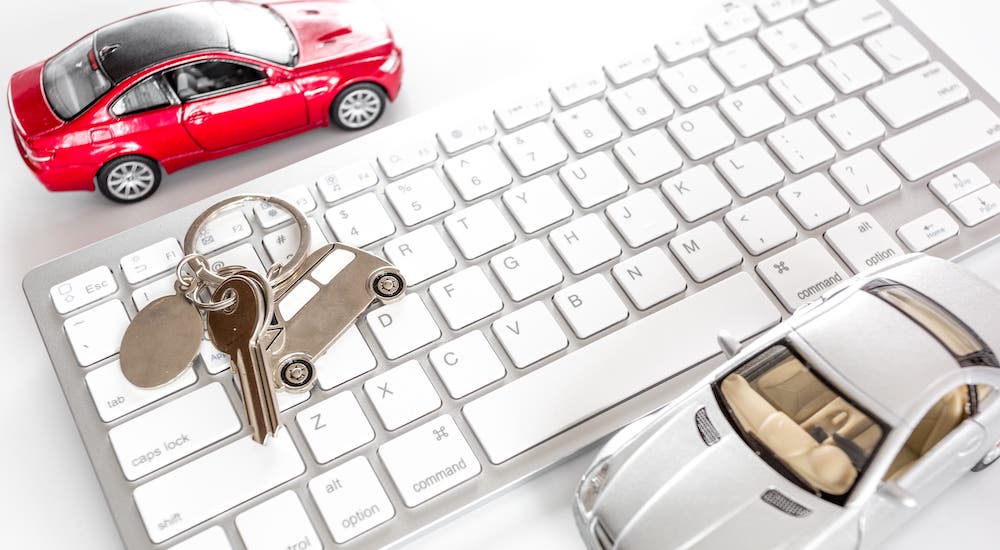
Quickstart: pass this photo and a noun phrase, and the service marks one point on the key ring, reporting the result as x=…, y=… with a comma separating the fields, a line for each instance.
x=279, y=273
x=190, y=286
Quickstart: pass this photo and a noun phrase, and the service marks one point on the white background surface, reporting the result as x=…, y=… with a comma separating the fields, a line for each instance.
x=49, y=497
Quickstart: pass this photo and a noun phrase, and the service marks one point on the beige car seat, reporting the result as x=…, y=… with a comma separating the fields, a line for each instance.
x=825, y=467
x=943, y=417
x=793, y=389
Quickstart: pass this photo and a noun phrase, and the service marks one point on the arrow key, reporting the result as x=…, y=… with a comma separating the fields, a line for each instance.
x=979, y=206
x=928, y=230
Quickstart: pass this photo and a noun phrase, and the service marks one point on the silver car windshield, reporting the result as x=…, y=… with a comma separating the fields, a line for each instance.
x=72, y=81
x=802, y=426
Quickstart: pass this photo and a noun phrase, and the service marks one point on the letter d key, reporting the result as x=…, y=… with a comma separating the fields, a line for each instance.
x=235, y=331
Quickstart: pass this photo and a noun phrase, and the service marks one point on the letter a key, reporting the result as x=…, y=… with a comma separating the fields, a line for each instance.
x=235, y=331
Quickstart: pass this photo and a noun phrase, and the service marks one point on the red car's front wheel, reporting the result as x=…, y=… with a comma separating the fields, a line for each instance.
x=129, y=179
x=358, y=106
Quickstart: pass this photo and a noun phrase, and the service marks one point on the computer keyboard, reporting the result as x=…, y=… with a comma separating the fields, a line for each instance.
x=573, y=249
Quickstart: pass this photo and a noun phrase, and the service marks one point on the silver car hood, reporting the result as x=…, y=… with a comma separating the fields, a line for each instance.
x=700, y=496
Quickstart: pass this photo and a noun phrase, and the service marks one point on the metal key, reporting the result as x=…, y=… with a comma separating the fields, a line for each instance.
x=236, y=331
x=334, y=286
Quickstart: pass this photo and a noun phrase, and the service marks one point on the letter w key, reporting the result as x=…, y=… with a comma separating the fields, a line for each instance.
x=335, y=285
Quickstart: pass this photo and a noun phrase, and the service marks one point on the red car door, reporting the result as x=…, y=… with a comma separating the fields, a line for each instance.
x=227, y=103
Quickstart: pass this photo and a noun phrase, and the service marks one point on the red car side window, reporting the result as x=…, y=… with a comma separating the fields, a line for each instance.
x=145, y=96
x=212, y=77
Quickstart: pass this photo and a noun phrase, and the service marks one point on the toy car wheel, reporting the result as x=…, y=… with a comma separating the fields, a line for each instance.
x=129, y=179
x=988, y=459
x=388, y=285
x=358, y=106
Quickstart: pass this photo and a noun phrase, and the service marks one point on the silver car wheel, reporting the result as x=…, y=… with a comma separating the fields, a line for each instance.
x=131, y=180
x=359, y=108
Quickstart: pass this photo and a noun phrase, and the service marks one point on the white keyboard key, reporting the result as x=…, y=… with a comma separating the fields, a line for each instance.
x=978, y=206
x=402, y=394
x=420, y=254
x=851, y=124
x=733, y=22
x=584, y=243
x=465, y=297
x=801, y=90
x=360, y=221
x=533, y=149
x=173, y=431
x=465, y=134
x=849, y=69
x=537, y=204
x=801, y=146
x=150, y=261
x=402, y=159
x=681, y=45
x=741, y=62
x=590, y=306
x=692, y=82
x=351, y=499
x=270, y=215
x=403, y=326
x=335, y=426
x=790, y=42
x=243, y=255
x=752, y=111
x=429, y=460
x=477, y=172
x=588, y=126
x=627, y=68
x=640, y=104
x=648, y=155
x=929, y=147
x=846, y=20
x=214, y=483
x=84, y=289
x=749, y=169
x=214, y=360
x=575, y=89
x=813, y=200
x=526, y=270
x=701, y=133
x=802, y=273
x=529, y=334
x=277, y=524
x=466, y=364
x=865, y=176
x=346, y=180
x=114, y=396
x=479, y=229
x=776, y=10
x=958, y=182
x=917, y=94
x=523, y=110
x=544, y=403
x=641, y=217
x=282, y=244
x=705, y=251
x=649, y=278
x=696, y=192
x=760, y=225
x=222, y=231
x=593, y=179
x=213, y=538
x=931, y=229
x=862, y=243
x=896, y=49
x=97, y=333
x=419, y=197
x=348, y=358
x=143, y=295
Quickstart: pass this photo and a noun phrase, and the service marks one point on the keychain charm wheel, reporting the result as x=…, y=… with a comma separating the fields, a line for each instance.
x=387, y=285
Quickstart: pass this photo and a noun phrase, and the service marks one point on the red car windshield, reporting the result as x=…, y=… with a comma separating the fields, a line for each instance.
x=258, y=31
x=72, y=81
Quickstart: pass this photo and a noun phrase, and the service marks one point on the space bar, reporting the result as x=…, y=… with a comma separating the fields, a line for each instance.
x=556, y=397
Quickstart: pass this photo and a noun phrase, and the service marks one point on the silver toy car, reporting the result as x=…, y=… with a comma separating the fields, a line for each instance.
x=827, y=432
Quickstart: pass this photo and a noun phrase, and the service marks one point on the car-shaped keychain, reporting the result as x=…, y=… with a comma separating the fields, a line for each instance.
x=172, y=87
x=826, y=432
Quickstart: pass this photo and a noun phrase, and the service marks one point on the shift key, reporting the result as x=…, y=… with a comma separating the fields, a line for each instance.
x=802, y=273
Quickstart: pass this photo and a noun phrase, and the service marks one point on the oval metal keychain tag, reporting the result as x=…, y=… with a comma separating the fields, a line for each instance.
x=161, y=342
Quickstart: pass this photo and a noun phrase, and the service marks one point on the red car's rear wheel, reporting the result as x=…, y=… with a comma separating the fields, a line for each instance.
x=358, y=106
x=129, y=179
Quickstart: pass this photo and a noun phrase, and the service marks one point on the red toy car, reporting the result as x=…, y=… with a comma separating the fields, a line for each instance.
x=172, y=87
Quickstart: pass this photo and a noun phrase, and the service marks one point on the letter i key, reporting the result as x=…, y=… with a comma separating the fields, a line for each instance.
x=235, y=331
